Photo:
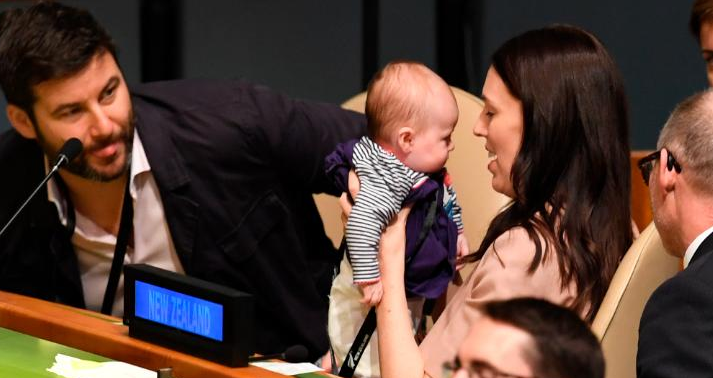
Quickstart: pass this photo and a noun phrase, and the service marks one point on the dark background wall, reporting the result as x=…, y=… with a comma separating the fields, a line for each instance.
x=326, y=50
x=649, y=40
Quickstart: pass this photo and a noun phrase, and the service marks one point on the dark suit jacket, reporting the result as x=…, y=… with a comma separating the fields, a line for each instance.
x=236, y=166
x=676, y=329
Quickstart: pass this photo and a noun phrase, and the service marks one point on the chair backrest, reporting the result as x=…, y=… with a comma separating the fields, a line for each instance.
x=467, y=166
x=640, y=199
x=644, y=267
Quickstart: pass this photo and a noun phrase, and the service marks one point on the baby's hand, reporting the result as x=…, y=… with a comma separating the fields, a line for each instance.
x=462, y=250
x=371, y=293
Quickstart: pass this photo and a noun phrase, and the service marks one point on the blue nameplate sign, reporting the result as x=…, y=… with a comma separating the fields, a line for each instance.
x=188, y=314
x=173, y=309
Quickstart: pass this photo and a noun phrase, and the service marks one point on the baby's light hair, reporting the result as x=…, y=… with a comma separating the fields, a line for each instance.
x=397, y=94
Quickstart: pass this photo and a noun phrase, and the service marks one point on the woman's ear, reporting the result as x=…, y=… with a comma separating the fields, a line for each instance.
x=20, y=120
x=405, y=139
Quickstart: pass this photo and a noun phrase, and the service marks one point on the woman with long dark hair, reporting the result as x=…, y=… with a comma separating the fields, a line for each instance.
x=555, y=123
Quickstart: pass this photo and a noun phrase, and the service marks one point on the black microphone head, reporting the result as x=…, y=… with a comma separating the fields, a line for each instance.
x=296, y=353
x=70, y=150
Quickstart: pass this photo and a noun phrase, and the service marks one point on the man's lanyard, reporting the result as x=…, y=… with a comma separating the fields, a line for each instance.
x=122, y=241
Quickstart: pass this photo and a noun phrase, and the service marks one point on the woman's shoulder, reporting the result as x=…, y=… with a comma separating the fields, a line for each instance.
x=514, y=235
x=514, y=246
x=506, y=271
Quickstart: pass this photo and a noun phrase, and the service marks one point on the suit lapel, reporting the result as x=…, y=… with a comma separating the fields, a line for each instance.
x=181, y=214
x=171, y=175
x=66, y=276
x=705, y=248
x=69, y=285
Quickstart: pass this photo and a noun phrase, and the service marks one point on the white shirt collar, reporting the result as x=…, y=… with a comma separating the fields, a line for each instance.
x=139, y=162
x=693, y=247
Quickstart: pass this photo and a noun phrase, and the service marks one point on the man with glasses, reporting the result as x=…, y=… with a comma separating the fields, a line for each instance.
x=527, y=338
x=676, y=329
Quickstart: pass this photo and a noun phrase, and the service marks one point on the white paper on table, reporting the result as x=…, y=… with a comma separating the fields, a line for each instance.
x=71, y=367
x=286, y=368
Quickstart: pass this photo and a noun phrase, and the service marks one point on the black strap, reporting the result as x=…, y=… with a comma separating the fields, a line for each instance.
x=367, y=328
x=122, y=241
x=425, y=229
x=360, y=342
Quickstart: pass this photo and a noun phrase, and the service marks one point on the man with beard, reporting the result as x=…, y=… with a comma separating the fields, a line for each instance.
x=208, y=178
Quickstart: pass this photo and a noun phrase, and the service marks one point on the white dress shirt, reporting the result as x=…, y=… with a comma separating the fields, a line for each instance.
x=95, y=246
x=693, y=247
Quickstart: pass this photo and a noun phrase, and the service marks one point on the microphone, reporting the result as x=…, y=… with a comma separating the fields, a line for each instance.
x=295, y=353
x=70, y=150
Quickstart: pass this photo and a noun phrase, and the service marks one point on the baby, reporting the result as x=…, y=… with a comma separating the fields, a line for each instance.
x=411, y=115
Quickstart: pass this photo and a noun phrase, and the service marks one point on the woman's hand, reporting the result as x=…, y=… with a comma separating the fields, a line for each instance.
x=399, y=355
x=392, y=246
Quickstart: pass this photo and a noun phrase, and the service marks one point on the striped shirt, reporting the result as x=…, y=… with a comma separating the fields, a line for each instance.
x=384, y=184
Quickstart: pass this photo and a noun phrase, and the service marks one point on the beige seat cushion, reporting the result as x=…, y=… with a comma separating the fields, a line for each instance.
x=644, y=267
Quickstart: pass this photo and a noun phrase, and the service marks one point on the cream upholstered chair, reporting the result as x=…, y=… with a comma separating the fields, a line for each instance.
x=644, y=267
x=467, y=166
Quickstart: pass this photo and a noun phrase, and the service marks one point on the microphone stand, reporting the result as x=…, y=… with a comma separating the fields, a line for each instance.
x=69, y=151
x=54, y=170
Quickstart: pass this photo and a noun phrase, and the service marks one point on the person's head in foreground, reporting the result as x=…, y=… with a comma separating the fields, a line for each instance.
x=412, y=112
x=528, y=338
x=555, y=123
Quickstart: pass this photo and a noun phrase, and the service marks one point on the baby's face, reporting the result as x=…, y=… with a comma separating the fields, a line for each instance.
x=432, y=142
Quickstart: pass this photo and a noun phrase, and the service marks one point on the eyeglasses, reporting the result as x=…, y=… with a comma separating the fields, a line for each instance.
x=476, y=369
x=646, y=164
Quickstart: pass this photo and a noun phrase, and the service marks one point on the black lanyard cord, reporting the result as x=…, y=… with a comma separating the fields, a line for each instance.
x=122, y=241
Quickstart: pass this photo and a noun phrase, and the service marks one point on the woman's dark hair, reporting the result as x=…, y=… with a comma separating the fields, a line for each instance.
x=46, y=41
x=571, y=177
x=564, y=346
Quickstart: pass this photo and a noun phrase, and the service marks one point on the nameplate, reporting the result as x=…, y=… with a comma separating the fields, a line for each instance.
x=188, y=314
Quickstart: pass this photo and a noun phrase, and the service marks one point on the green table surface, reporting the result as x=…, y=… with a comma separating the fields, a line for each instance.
x=27, y=356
